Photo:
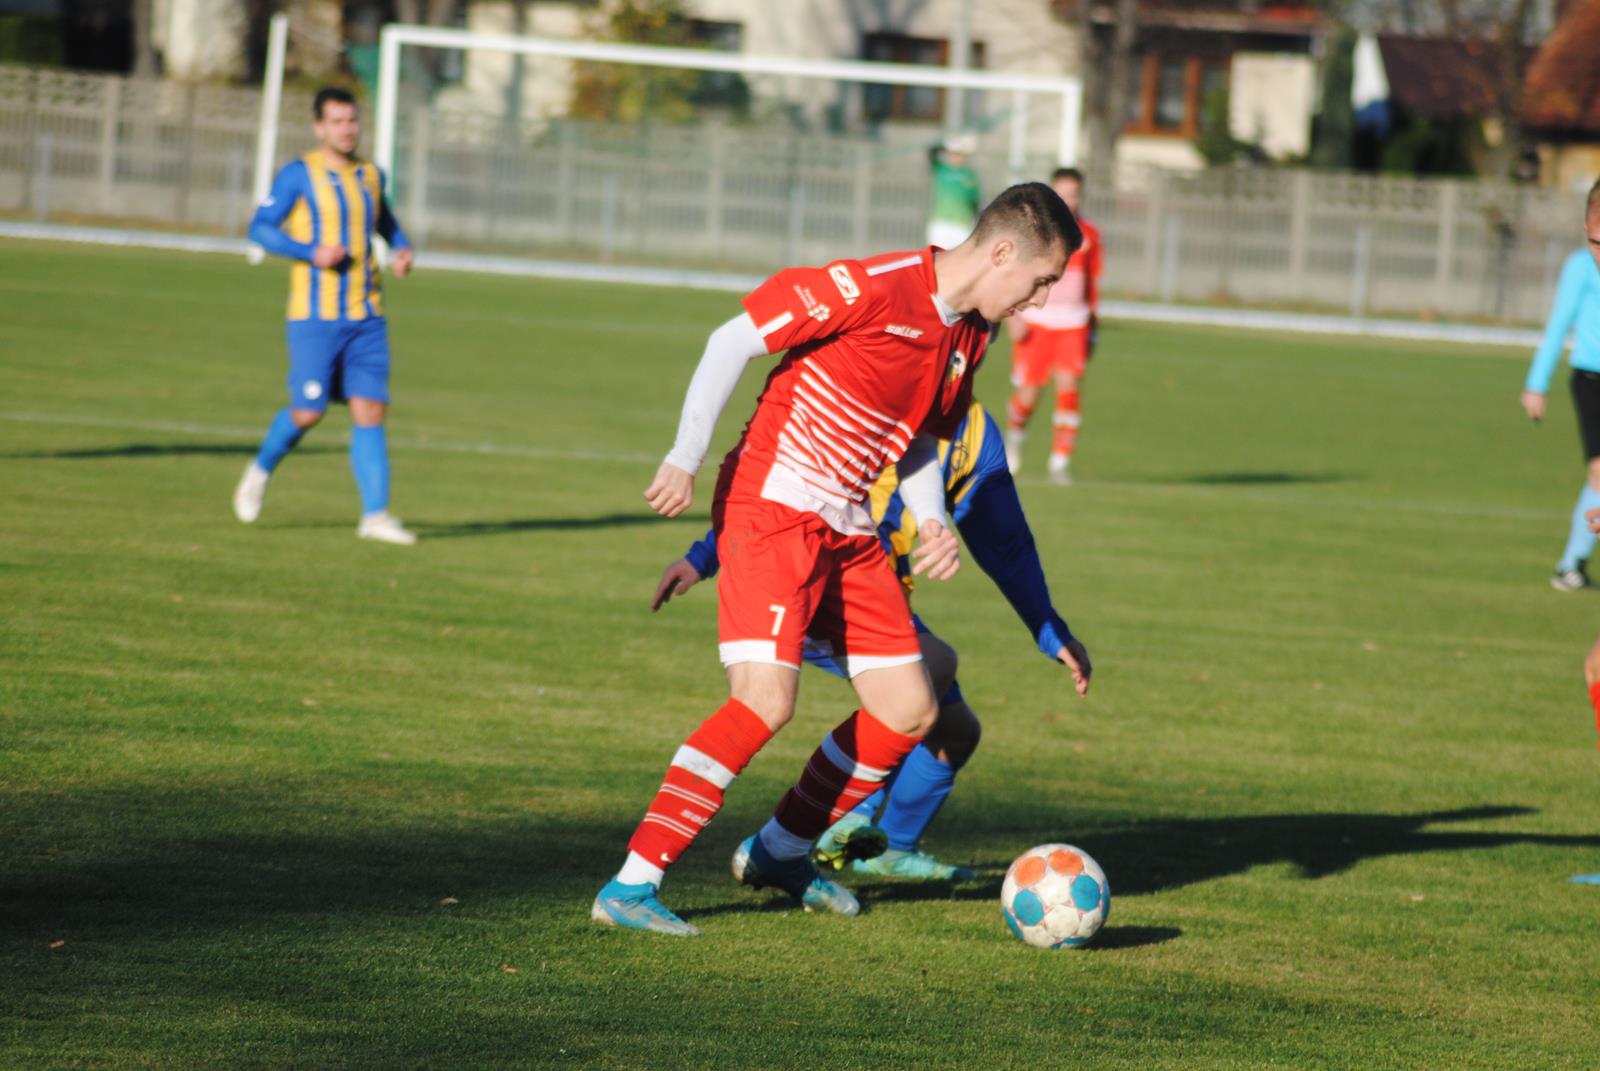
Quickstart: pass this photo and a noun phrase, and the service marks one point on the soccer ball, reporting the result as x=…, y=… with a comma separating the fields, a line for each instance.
x=1055, y=896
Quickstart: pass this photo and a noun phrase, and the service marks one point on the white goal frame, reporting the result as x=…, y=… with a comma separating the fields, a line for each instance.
x=395, y=36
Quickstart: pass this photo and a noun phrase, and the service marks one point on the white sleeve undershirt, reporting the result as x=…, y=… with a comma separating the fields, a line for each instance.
x=729, y=349
x=922, y=481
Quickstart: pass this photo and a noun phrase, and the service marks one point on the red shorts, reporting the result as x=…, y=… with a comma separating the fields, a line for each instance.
x=1044, y=351
x=786, y=574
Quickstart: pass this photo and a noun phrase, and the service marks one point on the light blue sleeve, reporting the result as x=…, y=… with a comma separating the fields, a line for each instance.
x=1563, y=314
x=266, y=227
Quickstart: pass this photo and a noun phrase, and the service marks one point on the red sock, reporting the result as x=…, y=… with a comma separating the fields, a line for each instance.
x=1594, y=700
x=1067, y=419
x=1017, y=414
x=693, y=789
x=851, y=765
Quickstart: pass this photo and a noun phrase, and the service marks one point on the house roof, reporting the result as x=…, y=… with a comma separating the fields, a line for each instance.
x=1439, y=77
x=1562, y=89
x=1293, y=18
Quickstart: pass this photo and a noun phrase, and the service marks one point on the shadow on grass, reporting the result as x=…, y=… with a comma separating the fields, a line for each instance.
x=429, y=530
x=1258, y=479
x=136, y=450
x=1152, y=856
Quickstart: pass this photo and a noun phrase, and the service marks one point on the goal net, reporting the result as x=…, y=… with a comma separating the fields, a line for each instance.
x=666, y=157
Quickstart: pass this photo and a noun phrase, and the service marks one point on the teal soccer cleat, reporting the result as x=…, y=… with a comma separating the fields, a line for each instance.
x=635, y=907
x=752, y=866
x=917, y=865
x=850, y=838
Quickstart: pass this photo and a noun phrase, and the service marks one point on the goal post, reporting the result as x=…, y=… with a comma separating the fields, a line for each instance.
x=396, y=35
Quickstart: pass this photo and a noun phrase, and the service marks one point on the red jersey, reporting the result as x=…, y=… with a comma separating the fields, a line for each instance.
x=1076, y=294
x=875, y=358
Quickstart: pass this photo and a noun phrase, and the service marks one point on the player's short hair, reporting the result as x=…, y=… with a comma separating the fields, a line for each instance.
x=1032, y=213
x=1591, y=207
x=1067, y=173
x=336, y=94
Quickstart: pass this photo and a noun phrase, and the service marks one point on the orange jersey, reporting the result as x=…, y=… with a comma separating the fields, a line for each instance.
x=874, y=360
x=1072, y=301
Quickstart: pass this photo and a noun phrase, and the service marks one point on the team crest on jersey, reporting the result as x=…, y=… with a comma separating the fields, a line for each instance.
x=956, y=369
x=814, y=308
x=903, y=331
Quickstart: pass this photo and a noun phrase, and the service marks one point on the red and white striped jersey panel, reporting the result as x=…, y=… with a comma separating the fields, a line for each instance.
x=1072, y=301
x=871, y=360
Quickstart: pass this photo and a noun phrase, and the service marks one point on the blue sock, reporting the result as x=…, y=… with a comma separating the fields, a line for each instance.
x=282, y=437
x=919, y=791
x=369, y=460
x=1580, y=542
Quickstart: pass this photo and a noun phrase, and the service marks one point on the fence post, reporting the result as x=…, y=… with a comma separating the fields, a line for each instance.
x=1153, y=227
x=1169, y=259
x=234, y=217
x=1361, y=271
x=608, y=217
x=417, y=180
x=41, y=177
x=797, y=217
x=566, y=167
x=1299, y=230
x=714, y=187
x=110, y=121
x=1445, y=252
x=861, y=208
x=186, y=185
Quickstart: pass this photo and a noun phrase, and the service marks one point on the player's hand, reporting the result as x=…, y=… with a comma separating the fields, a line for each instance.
x=938, y=553
x=400, y=263
x=1593, y=517
x=1533, y=405
x=671, y=492
x=1075, y=657
x=329, y=256
x=678, y=578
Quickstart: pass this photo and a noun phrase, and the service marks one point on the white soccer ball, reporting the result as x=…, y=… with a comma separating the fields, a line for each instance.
x=1055, y=896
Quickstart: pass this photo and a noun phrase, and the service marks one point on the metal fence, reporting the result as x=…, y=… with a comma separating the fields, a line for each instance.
x=754, y=196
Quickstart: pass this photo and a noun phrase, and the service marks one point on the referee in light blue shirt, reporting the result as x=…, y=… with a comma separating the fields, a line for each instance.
x=1576, y=312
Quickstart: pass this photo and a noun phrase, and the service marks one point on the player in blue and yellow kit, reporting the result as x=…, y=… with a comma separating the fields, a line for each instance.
x=982, y=501
x=323, y=211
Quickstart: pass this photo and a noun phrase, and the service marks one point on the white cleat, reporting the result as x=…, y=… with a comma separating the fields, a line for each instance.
x=252, y=489
x=384, y=527
x=1060, y=470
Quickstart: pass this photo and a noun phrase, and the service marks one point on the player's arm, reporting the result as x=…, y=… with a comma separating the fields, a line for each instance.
x=729, y=349
x=388, y=229
x=1563, y=313
x=938, y=554
x=1091, y=291
x=698, y=563
x=997, y=534
x=266, y=226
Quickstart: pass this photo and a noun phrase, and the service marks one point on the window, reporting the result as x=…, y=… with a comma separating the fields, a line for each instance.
x=909, y=102
x=719, y=88
x=1170, y=91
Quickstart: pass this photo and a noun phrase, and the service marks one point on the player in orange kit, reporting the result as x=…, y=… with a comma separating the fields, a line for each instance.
x=880, y=364
x=1056, y=342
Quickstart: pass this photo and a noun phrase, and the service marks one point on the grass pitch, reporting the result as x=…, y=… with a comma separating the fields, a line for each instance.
x=274, y=797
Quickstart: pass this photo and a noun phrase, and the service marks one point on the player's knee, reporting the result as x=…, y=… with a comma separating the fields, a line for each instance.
x=1594, y=473
x=956, y=734
x=941, y=661
x=767, y=690
x=305, y=419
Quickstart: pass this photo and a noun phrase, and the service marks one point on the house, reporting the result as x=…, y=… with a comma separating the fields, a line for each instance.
x=1561, y=99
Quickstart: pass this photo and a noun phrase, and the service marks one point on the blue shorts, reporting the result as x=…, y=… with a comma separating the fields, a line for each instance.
x=820, y=654
x=333, y=360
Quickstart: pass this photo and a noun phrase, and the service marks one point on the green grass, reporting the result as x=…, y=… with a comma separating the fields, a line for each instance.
x=1337, y=762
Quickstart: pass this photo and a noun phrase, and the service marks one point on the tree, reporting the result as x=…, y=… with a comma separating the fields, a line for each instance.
x=1106, y=58
x=626, y=93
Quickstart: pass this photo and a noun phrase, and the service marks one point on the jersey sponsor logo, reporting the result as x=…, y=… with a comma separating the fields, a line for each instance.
x=903, y=331
x=847, y=285
x=814, y=308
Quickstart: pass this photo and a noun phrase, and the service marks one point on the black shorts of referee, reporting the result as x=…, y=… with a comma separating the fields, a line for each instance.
x=1586, y=400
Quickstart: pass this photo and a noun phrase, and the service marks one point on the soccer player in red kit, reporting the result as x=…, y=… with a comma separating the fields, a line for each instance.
x=1056, y=342
x=881, y=356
